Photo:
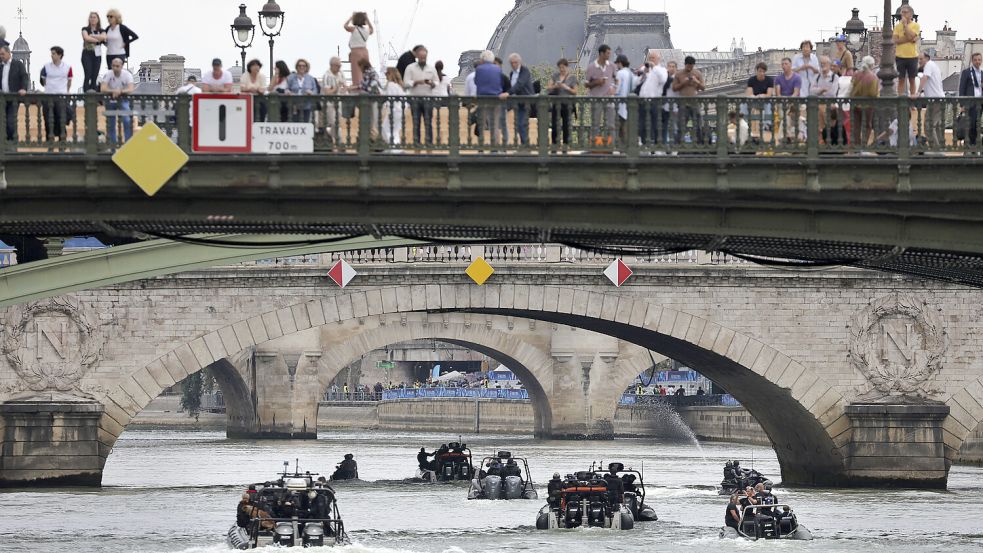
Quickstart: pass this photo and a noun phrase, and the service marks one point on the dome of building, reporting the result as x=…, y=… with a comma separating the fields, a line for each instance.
x=543, y=31
x=20, y=45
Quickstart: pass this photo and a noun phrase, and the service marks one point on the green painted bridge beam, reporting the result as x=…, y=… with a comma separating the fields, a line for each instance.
x=81, y=271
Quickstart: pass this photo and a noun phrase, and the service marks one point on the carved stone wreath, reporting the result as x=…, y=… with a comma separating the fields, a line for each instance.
x=898, y=380
x=38, y=375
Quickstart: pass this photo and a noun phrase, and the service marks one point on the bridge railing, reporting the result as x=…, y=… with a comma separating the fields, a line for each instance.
x=723, y=127
x=501, y=254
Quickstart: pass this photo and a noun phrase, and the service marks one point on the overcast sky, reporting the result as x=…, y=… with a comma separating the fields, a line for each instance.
x=199, y=29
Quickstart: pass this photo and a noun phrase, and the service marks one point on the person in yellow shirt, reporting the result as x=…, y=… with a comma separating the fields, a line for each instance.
x=907, y=33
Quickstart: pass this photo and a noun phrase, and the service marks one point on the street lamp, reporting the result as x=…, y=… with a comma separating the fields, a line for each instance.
x=888, y=73
x=243, y=32
x=271, y=23
x=856, y=33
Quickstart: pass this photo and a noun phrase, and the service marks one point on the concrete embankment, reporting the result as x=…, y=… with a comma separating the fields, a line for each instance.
x=730, y=424
x=468, y=416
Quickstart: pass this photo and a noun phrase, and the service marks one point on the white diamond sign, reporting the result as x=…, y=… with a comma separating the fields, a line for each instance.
x=617, y=272
x=342, y=273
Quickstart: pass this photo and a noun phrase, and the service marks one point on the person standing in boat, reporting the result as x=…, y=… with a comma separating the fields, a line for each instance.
x=733, y=516
x=422, y=457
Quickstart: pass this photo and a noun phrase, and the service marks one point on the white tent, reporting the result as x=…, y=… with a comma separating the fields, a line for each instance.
x=451, y=377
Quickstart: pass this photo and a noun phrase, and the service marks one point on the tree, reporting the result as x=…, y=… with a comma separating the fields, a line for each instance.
x=191, y=395
x=192, y=389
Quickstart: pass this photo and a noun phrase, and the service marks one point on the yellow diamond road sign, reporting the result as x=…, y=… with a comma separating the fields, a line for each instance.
x=150, y=158
x=480, y=271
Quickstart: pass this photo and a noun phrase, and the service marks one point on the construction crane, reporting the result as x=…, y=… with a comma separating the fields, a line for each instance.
x=388, y=51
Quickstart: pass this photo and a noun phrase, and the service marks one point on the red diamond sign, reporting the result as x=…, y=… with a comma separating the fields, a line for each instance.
x=617, y=272
x=342, y=273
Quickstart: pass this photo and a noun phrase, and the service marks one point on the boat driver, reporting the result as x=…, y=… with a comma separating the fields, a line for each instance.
x=421, y=459
x=512, y=469
x=347, y=469
x=553, y=490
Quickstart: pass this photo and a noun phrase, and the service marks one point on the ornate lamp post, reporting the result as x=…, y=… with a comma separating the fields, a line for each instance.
x=856, y=33
x=888, y=73
x=271, y=23
x=243, y=32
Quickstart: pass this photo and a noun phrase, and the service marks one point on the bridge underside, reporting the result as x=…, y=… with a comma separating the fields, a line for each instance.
x=922, y=219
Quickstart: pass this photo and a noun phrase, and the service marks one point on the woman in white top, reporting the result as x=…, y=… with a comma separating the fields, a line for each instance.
x=254, y=82
x=361, y=29
x=443, y=87
x=118, y=38
x=393, y=109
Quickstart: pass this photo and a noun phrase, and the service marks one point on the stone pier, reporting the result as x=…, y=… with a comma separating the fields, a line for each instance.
x=897, y=445
x=49, y=443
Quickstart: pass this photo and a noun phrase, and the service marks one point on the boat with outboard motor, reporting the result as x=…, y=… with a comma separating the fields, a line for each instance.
x=503, y=479
x=769, y=522
x=632, y=488
x=451, y=462
x=295, y=510
x=583, y=500
x=737, y=479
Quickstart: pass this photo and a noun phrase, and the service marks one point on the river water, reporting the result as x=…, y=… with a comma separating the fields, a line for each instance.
x=176, y=491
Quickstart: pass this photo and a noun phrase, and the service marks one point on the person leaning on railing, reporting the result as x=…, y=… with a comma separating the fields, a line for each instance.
x=864, y=85
x=971, y=86
x=760, y=85
x=278, y=86
x=488, y=83
x=333, y=84
x=118, y=83
x=562, y=85
x=930, y=87
x=301, y=83
x=689, y=83
x=56, y=78
x=13, y=80
x=826, y=87
x=255, y=83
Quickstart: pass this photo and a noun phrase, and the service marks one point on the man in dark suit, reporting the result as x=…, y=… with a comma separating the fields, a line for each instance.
x=13, y=80
x=520, y=84
x=971, y=86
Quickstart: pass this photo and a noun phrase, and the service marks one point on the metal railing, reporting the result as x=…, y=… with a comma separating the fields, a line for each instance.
x=723, y=127
x=351, y=397
x=705, y=400
x=504, y=254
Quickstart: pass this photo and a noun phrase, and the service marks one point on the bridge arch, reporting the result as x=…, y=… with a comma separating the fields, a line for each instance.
x=530, y=362
x=802, y=414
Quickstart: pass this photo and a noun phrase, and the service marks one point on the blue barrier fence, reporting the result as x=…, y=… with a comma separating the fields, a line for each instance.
x=473, y=393
x=487, y=393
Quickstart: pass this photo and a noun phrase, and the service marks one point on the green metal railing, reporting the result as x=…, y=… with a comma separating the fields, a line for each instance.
x=361, y=125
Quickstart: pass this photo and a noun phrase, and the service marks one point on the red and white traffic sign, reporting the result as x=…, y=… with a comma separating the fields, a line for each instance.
x=223, y=123
x=617, y=272
x=342, y=273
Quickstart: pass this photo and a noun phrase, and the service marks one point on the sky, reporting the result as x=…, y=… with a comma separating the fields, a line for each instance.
x=200, y=29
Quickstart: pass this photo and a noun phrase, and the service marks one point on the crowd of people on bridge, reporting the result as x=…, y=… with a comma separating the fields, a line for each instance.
x=415, y=85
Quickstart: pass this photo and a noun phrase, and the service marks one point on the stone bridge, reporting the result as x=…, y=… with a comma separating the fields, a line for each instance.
x=856, y=377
